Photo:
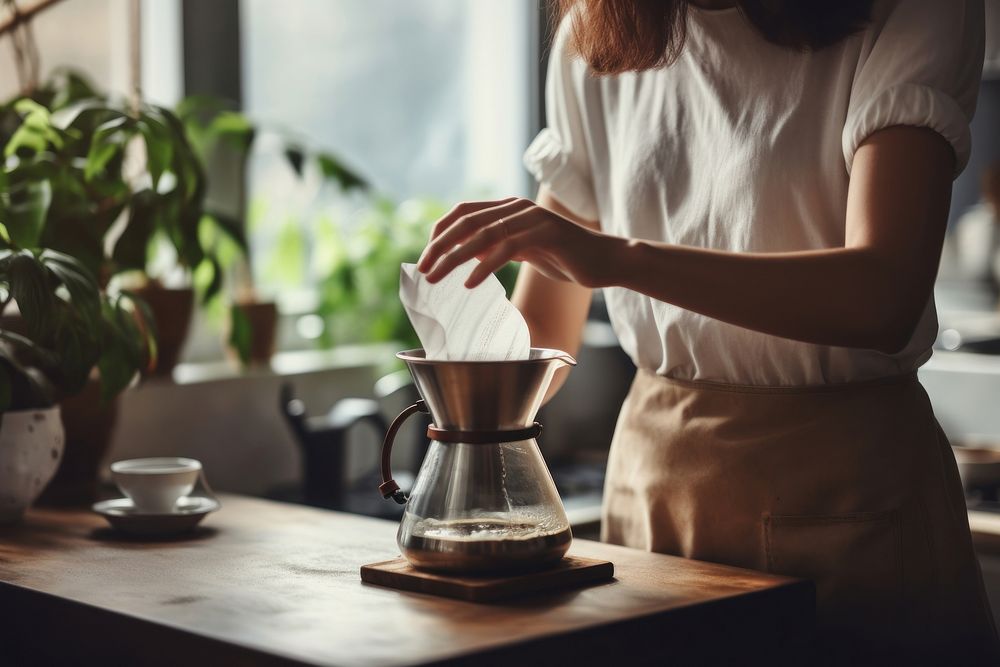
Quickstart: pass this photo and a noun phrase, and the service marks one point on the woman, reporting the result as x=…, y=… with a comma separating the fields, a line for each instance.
x=762, y=189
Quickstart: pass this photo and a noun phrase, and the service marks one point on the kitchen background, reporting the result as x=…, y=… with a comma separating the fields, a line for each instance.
x=427, y=101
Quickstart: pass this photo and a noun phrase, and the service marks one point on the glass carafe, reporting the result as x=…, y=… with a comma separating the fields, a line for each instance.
x=483, y=500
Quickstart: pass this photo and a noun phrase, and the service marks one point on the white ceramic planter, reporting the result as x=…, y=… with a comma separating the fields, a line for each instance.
x=31, y=446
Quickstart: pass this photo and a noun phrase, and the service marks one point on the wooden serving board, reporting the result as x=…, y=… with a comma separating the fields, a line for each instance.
x=570, y=572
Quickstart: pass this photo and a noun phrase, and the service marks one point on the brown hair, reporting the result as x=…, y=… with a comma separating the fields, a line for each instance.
x=616, y=36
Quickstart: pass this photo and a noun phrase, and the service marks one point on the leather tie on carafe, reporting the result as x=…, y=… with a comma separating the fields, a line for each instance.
x=390, y=489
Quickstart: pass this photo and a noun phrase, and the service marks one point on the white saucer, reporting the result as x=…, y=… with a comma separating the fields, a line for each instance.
x=123, y=516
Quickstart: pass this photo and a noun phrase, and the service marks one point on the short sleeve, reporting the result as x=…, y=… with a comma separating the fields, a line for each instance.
x=920, y=65
x=558, y=157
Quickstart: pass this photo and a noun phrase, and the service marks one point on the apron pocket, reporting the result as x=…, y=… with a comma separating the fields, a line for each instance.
x=855, y=561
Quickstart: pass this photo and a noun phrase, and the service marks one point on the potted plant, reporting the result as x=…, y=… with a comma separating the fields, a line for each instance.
x=224, y=137
x=115, y=184
x=68, y=331
x=118, y=169
x=105, y=184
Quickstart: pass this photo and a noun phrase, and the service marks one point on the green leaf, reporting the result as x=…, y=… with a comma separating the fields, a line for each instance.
x=80, y=122
x=109, y=140
x=234, y=129
x=82, y=287
x=27, y=347
x=232, y=227
x=35, y=132
x=507, y=275
x=66, y=117
x=122, y=347
x=78, y=348
x=29, y=388
x=25, y=138
x=98, y=158
x=186, y=165
x=199, y=107
x=208, y=279
x=131, y=250
x=185, y=203
x=240, y=333
x=295, y=157
x=68, y=86
x=333, y=169
x=185, y=235
x=27, y=106
x=159, y=146
x=116, y=371
x=24, y=210
x=30, y=288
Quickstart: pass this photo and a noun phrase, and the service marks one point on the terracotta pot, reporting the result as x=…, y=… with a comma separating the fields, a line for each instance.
x=88, y=424
x=31, y=446
x=172, y=309
x=263, y=318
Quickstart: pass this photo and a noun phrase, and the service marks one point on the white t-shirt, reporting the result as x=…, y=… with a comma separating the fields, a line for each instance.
x=745, y=146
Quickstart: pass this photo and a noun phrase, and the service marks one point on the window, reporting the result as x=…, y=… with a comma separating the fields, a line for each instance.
x=425, y=97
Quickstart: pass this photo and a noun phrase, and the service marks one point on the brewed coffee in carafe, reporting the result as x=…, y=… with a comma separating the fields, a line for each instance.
x=483, y=500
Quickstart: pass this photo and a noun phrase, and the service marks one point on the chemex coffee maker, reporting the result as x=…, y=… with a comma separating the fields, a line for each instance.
x=483, y=500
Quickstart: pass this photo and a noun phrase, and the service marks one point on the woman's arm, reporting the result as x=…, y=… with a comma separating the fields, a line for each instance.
x=555, y=310
x=869, y=293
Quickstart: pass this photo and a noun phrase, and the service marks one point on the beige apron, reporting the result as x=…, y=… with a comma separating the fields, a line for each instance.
x=852, y=486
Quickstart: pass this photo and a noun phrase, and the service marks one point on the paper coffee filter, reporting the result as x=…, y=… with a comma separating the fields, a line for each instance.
x=455, y=323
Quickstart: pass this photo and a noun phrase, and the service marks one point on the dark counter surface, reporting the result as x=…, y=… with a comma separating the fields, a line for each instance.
x=271, y=583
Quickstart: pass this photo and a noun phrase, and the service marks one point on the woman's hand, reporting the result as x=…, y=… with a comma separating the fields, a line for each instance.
x=497, y=232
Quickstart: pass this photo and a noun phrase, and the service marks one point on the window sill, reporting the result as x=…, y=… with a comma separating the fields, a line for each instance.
x=296, y=362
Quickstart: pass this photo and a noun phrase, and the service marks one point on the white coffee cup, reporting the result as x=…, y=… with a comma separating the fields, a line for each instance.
x=156, y=484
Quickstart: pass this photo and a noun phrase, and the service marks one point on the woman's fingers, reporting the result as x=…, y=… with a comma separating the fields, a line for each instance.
x=493, y=261
x=463, y=209
x=463, y=227
x=506, y=233
x=487, y=238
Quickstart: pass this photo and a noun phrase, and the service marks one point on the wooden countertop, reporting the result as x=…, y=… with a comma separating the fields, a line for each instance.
x=269, y=583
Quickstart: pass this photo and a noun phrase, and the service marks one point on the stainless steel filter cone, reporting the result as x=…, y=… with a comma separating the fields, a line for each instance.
x=485, y=395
